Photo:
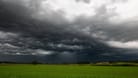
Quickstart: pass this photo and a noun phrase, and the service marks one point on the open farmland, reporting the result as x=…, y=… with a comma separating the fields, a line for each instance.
x=67, y=71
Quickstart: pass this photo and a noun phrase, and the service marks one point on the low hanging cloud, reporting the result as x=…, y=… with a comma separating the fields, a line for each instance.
x=43, y=52
x=6, y=35
x=79, y=47
x=125, y=45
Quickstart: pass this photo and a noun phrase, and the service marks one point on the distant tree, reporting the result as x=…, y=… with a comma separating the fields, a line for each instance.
x=84, y=62
x=35, y=62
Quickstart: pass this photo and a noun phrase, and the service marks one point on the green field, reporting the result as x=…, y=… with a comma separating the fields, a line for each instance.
x=67, y=71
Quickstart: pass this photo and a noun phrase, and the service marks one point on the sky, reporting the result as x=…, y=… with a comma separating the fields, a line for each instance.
x=68, y=31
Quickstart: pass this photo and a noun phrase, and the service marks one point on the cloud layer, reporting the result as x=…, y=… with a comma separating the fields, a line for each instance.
x=85, y=29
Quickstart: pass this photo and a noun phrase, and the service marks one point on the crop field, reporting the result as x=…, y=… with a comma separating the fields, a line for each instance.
x=67, y=71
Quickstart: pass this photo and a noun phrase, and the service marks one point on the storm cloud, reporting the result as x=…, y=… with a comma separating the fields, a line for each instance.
x=69, y=29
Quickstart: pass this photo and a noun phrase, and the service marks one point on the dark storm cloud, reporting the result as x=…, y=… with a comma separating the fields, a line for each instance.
x=93, y=27
x=23, y=32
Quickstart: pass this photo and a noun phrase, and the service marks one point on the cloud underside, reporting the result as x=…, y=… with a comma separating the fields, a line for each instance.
x=69, y=28
x=127, y=45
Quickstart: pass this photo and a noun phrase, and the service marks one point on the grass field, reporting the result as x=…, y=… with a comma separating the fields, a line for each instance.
x=67, y=71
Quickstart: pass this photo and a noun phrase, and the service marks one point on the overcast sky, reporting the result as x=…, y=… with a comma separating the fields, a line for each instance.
x=59, y=29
